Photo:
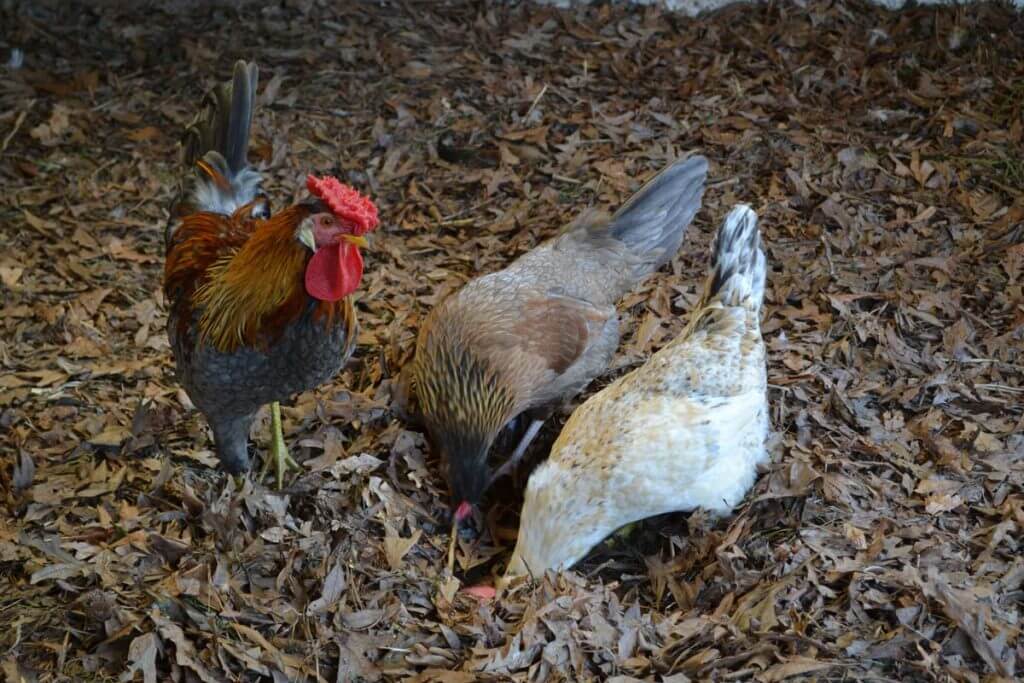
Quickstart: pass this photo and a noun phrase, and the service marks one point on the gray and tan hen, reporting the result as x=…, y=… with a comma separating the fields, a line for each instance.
x=536, y=333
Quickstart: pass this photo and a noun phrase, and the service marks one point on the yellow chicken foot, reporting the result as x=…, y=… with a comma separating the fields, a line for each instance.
x=279, y=455
x=517, y=454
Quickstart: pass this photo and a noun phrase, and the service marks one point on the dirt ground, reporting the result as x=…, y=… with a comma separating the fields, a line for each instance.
x=883, y=152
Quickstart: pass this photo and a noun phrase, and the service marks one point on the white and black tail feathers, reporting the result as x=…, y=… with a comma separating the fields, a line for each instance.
x=215, y=146
x=653, y=221
x=738, y=267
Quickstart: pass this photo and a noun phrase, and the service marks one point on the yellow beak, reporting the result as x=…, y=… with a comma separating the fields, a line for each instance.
x=357, y=240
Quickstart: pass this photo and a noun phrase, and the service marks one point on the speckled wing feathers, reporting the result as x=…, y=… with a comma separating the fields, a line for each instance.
x=738, y=275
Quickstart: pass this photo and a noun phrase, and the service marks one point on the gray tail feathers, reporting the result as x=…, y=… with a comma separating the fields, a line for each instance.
x=653, y=221
x=216, y=144
x=738, y=264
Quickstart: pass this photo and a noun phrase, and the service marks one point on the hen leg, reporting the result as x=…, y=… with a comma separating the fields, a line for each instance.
x=279, y=455
x=517, y=454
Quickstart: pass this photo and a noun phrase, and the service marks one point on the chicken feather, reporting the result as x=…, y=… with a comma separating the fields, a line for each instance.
x=685, y=430
x=522, y=339
x=243, y=324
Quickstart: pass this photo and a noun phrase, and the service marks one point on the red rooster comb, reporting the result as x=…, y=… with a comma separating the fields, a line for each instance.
x=345, y=202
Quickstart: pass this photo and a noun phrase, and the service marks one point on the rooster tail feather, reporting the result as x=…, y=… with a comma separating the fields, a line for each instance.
x=653, y=221
x=243, y=101
x=216, y=144
x=738, y=270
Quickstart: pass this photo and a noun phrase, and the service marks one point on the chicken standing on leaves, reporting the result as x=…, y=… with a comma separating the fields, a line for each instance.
x=259, y=304
x=525, y=338
x=685, y=430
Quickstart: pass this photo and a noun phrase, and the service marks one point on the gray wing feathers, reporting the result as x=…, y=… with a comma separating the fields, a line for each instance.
x=653, y=221
x=600, y=259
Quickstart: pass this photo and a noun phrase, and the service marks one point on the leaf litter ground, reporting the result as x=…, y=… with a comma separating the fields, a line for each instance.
x=883, y=152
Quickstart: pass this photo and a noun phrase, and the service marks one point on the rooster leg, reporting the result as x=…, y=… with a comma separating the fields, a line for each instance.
x=279, y=455
x=517, y=454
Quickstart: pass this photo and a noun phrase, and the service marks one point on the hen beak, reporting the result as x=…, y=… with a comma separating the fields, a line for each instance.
x=356, y=240
x=306, y=237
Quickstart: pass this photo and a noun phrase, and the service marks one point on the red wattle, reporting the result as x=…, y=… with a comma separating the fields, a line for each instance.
x=463, y=511
x=334, y=272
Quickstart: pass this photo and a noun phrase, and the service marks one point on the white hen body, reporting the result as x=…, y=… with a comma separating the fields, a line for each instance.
x=685, y=430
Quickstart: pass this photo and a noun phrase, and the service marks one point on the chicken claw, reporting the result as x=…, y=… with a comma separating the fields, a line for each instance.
x=279, y=455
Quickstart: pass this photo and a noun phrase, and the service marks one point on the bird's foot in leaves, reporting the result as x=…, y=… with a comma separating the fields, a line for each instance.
x=279, y=454
x=283, y=461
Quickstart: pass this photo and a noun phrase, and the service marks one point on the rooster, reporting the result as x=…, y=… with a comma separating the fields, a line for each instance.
x=521, y=340
x=685, y=430
x=259, y=305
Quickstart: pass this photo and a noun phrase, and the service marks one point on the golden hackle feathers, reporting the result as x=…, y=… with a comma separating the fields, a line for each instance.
x=246, y=286
x=243, y=277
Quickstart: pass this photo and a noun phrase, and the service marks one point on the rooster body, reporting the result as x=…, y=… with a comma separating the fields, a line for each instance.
x=229, y=388
x=243, y=324
x=685, y=430
x=520, y=340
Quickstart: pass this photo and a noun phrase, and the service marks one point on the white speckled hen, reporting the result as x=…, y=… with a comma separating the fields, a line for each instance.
x=685, y=430
x=527, y=337
x=259, y=303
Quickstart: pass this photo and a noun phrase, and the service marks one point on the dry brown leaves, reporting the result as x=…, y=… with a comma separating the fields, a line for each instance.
x=884, y=154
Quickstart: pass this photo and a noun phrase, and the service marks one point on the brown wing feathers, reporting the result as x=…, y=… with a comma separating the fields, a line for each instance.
x=558, y=330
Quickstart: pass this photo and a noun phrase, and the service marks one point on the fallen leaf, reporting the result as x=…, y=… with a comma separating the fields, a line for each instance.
x=333, y=588
x=142, y=654
x=396, y=547
x=10, y=275
x=795, y=666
